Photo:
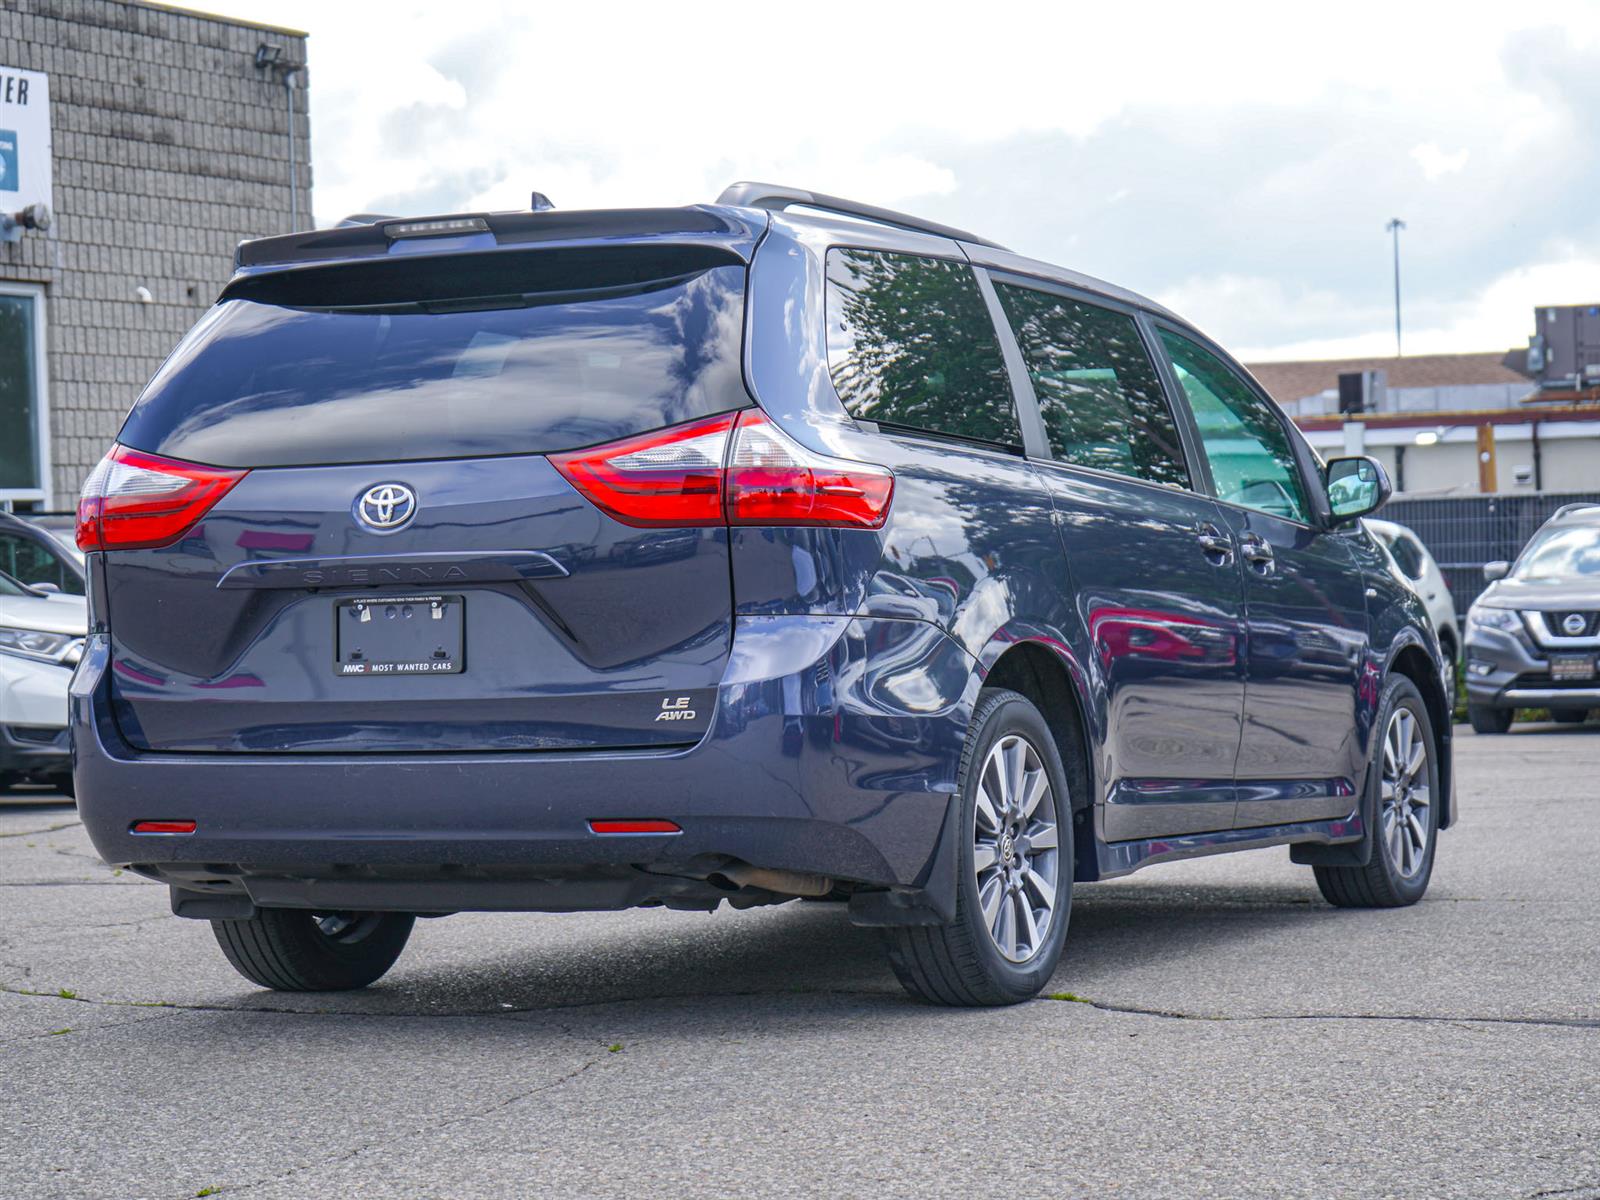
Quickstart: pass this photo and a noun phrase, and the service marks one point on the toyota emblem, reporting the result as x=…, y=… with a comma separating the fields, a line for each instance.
x=386, y=507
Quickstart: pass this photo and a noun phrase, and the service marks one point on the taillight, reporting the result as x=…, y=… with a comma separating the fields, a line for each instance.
x=773, y=480
x=671, y=477
x=738, y=469
x=134, y=500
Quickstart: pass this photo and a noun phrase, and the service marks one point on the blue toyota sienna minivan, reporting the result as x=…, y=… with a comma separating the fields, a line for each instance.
x=783, y=547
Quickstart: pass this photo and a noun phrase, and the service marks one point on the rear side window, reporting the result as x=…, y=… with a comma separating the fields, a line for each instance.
x=1098, y=393
x=263, y=384
x=910, y=343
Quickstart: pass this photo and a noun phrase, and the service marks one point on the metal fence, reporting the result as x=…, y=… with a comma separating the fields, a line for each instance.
x=1464, y=532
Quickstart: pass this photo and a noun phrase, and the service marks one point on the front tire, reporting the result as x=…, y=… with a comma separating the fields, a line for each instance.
x=1014, y=885
x=295, y=950
x=1404, y=785
x=1488, y=720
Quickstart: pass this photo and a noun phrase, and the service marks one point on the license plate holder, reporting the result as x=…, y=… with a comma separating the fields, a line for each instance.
x=1568, y=668
x=399, y=635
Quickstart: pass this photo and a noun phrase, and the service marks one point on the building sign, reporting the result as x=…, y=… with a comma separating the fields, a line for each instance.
x=24, y=139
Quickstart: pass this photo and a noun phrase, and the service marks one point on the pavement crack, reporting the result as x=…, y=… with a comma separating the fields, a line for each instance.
x=1419, y=1018
x=27, y=1037
x=70, y=883
x=522, y=1010
x=41, y=832
x=430, y=1130
x=1166, y=1014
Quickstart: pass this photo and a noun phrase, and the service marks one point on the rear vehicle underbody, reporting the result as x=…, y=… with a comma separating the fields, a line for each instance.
x=561, y=562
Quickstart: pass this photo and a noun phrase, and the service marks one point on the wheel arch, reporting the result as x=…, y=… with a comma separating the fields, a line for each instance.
x=1041, y=672
x=1411, y=660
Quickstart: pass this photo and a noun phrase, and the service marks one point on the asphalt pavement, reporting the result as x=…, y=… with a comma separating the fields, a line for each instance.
x=1220, y=1031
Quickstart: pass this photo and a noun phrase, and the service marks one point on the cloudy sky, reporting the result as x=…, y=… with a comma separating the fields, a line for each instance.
x=1236, y=161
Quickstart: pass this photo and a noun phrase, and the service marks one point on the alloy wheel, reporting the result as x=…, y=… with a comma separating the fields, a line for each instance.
x=1404, y=796
x=1016, y=855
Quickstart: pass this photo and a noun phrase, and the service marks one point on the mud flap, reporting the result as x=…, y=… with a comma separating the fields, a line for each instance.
x=933, y=902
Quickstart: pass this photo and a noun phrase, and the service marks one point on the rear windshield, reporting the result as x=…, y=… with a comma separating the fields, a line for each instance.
x=259, y=384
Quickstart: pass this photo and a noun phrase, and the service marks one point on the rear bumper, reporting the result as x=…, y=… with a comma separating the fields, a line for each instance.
x=833, y=751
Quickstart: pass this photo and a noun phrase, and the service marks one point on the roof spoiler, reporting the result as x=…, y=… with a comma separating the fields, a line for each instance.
x=775, y=197
x=368, y=235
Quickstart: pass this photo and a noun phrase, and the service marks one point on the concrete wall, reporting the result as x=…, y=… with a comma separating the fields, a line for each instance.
x=170, y=146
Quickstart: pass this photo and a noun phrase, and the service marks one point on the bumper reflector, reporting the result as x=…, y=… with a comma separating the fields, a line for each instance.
x=163, y=827
x=634, y=827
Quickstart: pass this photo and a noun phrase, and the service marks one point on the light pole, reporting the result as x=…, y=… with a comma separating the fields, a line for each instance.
x=1394, y=226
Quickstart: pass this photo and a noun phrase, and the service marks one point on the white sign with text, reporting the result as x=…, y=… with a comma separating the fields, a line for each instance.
x=24, y=139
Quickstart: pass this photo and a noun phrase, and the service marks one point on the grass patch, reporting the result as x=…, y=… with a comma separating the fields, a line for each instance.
x=59, y=1032
x=67, y=994
x=614, y=1048
x=1072, y=997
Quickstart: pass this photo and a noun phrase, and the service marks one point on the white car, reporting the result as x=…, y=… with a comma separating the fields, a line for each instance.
x=1417, y=565
x=41, y=640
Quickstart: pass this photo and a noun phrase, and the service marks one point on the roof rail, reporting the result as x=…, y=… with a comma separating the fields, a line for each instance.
x=775, y=198
x=1566, y=510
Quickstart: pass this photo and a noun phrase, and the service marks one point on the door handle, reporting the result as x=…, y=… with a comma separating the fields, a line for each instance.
x=1257, y=551
x=1217, y=546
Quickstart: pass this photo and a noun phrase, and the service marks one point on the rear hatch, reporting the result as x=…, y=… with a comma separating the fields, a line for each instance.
x=394, y=563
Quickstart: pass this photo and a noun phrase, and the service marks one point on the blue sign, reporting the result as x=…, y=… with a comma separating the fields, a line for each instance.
x=8, y=160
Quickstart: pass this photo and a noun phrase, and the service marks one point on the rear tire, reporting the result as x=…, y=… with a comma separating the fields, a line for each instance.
x=1014, y=885
x=1488, y=720
x=1569, y=716
x=1404, y=809
x=296, y=950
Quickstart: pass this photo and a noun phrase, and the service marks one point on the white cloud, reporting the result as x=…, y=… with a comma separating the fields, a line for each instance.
x=473, y=104
x=1498, y=317
x=1437, y=163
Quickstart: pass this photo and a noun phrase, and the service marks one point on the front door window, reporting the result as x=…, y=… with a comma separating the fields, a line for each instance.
x=1252, y=460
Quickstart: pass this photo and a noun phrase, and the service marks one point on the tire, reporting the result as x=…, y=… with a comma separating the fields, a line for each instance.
x=1488, y=720
x=963, y=963
x=296, y=950
x=1569, y=716
x=1405, y=829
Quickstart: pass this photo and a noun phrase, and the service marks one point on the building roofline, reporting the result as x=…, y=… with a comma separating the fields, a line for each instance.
x=183, y=11
x=1433, y=418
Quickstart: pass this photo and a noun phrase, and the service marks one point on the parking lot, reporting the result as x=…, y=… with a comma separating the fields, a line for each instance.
x=1218, y=1030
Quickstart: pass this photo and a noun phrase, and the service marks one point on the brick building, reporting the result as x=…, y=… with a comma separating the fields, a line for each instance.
x=157, y=138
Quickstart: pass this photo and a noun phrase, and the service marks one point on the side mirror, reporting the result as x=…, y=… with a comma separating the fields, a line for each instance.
x=1356, y=487
x=1495, y=570
x=49, y=589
